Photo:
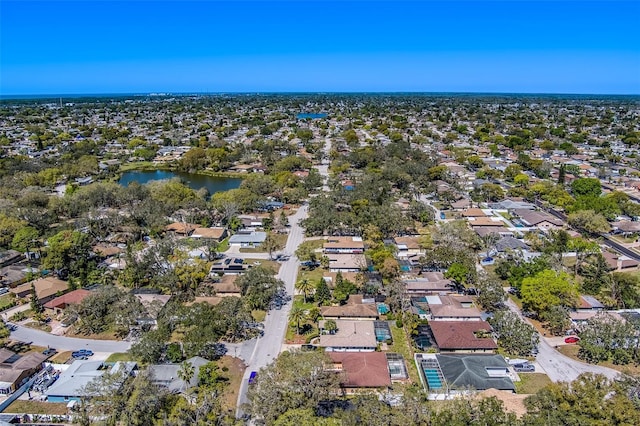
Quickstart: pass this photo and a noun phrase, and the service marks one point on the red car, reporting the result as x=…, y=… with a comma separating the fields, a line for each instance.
x=571, y=339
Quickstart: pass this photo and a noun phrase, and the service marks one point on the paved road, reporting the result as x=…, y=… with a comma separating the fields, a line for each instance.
x=268, y=346
x=558, y=367
x=62, y=343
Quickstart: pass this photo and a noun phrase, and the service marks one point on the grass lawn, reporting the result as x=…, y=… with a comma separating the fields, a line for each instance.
x=37, y=407
x=291, y=336
x=258, y=315
x=402, y=346
x=138, y=165
x=311, y=275
x=531, y=383
x=38, y=326
x=119, y=356
x=235, y=370
x=223, y=246
x=572, y=352
x=275, y=266
x=105, y=335
x=61, y=358
x=6, y=301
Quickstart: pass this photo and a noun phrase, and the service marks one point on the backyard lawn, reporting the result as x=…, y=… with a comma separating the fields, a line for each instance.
x=531, y=383
x=402, y=346
x=37, y=407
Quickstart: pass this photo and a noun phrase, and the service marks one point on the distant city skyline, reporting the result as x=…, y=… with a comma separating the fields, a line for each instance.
x=144, y=46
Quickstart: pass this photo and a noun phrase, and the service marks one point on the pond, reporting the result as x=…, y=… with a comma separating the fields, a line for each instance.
x=195, y=181
x=313, y=115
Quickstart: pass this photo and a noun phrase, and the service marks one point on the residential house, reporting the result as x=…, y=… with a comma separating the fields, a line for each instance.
x=361, y=371
x=538, y=218
x=180, y=228
x=46, y=288
x=447, y=375
x=17, y=369
x=463, y=336
x=619, y=262
x=343, y=245
x=354, y=309
x=7, y=257
x=347, y=262
x=589, y=303
x=226, y=286
x=60, y=303
x=213, y=234
x=168, y=375
x=248, y=239
x=350, y=336
x=408, y=247
x=71, y=384
x=427, y=283
x=453, y=308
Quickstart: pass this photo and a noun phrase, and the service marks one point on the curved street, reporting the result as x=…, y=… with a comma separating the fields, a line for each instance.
x=63, y=343
x=560, y=368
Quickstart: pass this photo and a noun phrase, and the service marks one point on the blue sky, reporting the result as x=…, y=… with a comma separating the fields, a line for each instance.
x=53, y=47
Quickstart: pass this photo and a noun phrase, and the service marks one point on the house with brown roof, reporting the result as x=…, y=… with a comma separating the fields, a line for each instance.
x=473, y=212
x=343, y=245
x=452, y=308
x=494, y=222
x=181, y=229
x=463, y=336
x=16, y=369
x=427, y=283
x=354, y=309
x=361, y=371
x=538, y=218
x=409, y=246
x=347, y=262
x=215, y=234
x=350, y=336
x=226, y=286
x=619, y=262
x=46, y=288
x=60, y=303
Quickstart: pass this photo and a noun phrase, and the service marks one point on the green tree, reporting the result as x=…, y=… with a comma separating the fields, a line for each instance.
x=305, y=286
x=25, y=239
x=295, y=380
x=323, y=294
x=296, y=315
x=588, y=400
x=547, y=289
x=36, y=306
x=589, y=222
x=491, y=295
x=515, y=336
x=271, y=244
x=259, y=287
x=186, y=373
x=589, y=187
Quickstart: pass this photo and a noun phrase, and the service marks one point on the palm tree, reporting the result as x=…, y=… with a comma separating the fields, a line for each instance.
x=185, y=373
x=305, y=286
x=297, y=314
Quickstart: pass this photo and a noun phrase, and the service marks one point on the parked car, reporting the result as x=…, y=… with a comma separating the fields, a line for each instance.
x=252, y=377
x=50, y=351
x=82, y=353
x=571, y=339
x=524, y=368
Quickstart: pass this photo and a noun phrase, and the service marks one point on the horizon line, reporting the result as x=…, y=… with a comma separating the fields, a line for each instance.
x=300, y=92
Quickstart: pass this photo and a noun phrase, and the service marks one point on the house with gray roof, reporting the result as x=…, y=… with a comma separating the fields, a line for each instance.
x=248, y=239
x=167, y=375
x=71, y=385
x=447, y=375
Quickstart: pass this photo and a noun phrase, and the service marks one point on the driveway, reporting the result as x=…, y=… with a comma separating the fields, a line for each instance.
x=62, y=343
x=561, y=368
